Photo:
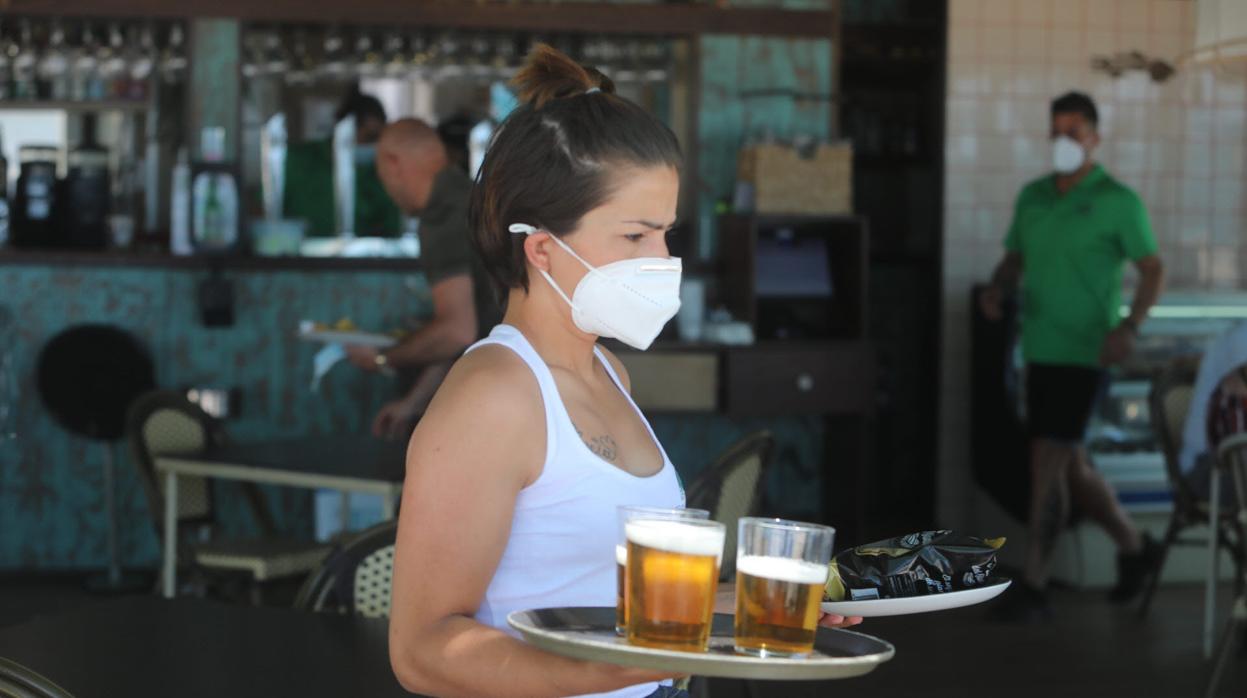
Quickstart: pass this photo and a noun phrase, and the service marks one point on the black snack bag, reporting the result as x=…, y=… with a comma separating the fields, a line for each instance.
x=928, y=562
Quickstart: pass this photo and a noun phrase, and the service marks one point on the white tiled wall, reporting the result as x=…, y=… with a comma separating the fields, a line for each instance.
x=1181, y=144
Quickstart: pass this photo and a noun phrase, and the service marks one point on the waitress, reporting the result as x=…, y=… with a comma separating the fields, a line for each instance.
x=516, y=470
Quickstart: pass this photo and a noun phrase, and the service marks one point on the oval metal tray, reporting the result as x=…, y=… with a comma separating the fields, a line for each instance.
x=589, y=634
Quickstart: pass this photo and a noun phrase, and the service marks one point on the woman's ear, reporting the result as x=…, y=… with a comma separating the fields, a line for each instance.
x=537, y=250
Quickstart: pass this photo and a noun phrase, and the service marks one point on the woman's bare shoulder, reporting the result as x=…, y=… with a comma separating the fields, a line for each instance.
x=489, y=392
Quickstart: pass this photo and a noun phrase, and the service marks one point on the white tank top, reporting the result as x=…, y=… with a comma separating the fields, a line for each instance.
x=563, y=536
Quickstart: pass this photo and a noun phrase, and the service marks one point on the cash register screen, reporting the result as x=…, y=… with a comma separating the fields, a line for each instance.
x=793, y=267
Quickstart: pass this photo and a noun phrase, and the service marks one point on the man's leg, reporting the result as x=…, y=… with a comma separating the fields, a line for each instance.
x=1095, y=498
x=1050, y=464
x=1138, y=556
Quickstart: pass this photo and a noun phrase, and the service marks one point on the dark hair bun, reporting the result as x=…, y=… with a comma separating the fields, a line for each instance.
x=550, y=74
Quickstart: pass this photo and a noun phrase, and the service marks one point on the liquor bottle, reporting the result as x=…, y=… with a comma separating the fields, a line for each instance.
x=180, y=206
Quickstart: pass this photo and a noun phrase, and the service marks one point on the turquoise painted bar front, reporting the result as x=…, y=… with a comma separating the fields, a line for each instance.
x=51, y=498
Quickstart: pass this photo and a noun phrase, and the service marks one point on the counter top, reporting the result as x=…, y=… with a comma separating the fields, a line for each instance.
x=162, y=260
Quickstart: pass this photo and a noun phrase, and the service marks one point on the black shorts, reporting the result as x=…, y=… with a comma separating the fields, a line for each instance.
x=1059, y=400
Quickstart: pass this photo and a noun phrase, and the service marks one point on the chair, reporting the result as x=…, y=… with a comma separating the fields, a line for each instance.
x=1169, y=402
x=733, y=487
x=1232, y=459
x=356, y=578
x=17, y=681
x=162, y=423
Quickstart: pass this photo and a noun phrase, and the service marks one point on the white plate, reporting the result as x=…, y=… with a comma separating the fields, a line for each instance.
x=877, y=608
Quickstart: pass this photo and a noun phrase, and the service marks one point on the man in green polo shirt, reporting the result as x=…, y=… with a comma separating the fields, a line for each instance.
x=1072, y=233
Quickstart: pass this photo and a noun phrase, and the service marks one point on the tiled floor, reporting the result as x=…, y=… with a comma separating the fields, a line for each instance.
x=1091, y=650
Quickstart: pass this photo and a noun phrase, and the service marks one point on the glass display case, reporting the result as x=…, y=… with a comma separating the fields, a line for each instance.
x=1120, y=437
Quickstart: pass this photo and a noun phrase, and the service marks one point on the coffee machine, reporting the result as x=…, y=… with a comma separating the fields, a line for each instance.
x=33, y=220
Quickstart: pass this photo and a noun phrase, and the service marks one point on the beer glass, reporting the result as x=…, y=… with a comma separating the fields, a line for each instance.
x=626, y=514
x=672, y=574
x=781, y=567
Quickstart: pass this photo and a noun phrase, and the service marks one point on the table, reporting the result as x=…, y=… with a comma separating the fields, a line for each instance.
x=344, y=463
x=146, y=646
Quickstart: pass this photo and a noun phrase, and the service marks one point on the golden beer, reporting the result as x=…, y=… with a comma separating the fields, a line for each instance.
x=672, y=573
x=626, y=514
x=777, y=604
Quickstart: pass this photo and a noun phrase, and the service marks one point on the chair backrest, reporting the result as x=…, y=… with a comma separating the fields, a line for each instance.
x=355, y=578
x=1169, y=402
x=165, y=423
x=733, y=487
x=17, y=681
x=1232, y=458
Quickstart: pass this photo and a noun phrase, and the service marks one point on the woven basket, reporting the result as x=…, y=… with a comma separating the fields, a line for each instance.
x=785, y=181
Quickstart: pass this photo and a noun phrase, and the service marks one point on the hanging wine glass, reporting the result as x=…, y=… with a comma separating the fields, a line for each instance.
x=422, y=50
x=53, y=68
x=6, y=66
x=334, y=63
x=396, y=58
x=173, y=60
x=253, y=55
x=477, y=59
x=504, y=57
x=447, y=58
x=112, y=64
x=367, y=55
x=23, y=57
x=276, y=58
x=656, y=59
x=302, y=62
x=140, y=60
x=82, y=66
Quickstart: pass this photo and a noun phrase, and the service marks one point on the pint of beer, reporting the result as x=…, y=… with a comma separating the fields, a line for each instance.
x=781, y=567
x=626, y=514
x=672, y=573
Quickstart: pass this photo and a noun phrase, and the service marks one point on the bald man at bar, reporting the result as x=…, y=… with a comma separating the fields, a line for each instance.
x=418, y=175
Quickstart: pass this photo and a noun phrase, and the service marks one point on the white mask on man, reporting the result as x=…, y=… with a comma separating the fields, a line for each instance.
x=1068, y=155
x=629, y=300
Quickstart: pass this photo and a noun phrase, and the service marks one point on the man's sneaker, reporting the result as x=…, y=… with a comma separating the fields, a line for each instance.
x=1135, y=570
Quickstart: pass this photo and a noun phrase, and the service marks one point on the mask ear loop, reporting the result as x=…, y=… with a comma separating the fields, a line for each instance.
x=526, y=229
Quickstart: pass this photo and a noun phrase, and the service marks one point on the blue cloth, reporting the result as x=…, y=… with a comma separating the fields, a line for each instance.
x=669, y=692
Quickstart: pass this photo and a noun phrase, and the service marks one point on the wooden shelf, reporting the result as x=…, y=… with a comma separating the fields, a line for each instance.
x=539, y=17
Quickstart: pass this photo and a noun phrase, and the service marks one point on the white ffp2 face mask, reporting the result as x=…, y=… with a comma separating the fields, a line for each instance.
x=629, y=300
x=1067, y=155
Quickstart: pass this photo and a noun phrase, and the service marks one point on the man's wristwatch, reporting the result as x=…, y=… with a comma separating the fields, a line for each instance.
x=1131, y=325
x=380, y=361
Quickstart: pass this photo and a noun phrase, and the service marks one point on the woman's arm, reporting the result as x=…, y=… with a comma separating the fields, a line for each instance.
x=481, y=442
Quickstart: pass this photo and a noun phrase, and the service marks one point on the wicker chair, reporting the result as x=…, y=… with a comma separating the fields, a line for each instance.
x=17, y=681
x=1170, y=401
x=733, y=487
x=356, y=578
x=161, y=423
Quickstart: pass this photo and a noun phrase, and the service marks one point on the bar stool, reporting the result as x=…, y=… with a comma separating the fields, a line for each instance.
x=1231, y=458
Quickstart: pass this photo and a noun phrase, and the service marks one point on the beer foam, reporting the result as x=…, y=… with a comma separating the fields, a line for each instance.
x=621, y=554
x=783, y=569
x=676, y=537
